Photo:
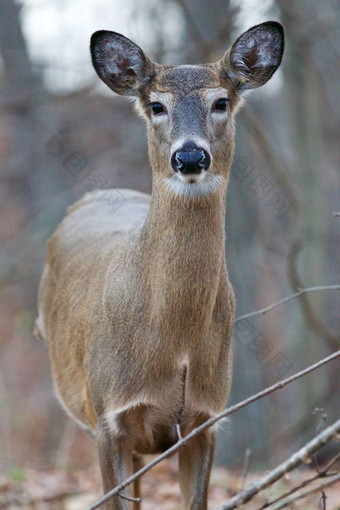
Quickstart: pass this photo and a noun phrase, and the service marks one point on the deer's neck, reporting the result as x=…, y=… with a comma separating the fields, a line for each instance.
x=184, y=247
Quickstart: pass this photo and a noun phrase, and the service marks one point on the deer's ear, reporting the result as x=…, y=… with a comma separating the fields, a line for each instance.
x=120, y=63
x=255, y=55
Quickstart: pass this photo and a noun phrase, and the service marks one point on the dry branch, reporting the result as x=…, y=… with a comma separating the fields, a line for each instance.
x=209, y=423
x=284, y=300
x=306, y=492
x=282, y=171
x=321, y=474
x=312, y=320
x=299, y=457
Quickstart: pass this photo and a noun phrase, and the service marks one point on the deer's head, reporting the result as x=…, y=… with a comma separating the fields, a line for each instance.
x=189, y=109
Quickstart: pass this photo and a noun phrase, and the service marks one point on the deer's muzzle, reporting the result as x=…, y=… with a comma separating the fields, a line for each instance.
x=190, y=159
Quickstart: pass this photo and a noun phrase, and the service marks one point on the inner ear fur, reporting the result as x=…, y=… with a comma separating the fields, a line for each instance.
x=255, y=56
x=120, y=63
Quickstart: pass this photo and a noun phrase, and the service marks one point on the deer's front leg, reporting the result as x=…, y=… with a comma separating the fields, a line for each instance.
x=115, y=458
x=195, y=462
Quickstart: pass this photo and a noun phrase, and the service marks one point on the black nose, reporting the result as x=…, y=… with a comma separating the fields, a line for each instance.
x=190, y=159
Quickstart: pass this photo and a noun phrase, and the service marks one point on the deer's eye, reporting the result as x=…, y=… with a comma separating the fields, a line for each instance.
x=221, y=104
x=157, y=108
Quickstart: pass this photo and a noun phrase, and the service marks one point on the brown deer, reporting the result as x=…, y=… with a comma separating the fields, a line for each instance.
x=138, y=316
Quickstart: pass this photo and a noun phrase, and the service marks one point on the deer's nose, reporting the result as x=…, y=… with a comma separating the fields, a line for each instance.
x=190, y=160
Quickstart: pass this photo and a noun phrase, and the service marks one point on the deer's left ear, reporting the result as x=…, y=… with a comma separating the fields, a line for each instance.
x=255, y=55
x=120, y=63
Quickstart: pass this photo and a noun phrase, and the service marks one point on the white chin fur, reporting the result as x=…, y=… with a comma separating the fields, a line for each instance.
x=195, y=185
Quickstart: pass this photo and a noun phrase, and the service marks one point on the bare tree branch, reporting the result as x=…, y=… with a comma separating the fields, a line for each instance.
x=331, y=463
x=312, y=320
x=282, y=172
x=321, y=474
x=211, y=422
x=299, y=457
x=306, y=492
x=288, y=298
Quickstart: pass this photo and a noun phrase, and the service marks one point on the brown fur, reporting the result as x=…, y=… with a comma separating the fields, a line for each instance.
x=138, y=317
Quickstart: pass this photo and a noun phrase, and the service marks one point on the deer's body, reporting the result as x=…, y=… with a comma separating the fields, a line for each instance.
x=107, y=293
x=136, y=304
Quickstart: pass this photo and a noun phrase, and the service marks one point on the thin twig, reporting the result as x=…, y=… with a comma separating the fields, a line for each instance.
x=323, y=500
x=284, y=300
x=245, y=468
x=209, y=423
x=291, y=463
x=331, y=463
x=129, y=498
x=178, y=430
x=65, y=444
x=306, y=492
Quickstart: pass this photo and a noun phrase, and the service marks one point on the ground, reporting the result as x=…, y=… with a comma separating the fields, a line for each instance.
x=66, y=490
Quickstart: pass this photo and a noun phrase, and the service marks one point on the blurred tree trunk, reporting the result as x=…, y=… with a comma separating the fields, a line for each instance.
x=28, y=179
x=307, y=110
x=26, y=171
x=20, y=88
x=19, y=80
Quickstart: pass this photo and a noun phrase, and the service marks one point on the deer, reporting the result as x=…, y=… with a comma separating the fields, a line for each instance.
x=135, y=305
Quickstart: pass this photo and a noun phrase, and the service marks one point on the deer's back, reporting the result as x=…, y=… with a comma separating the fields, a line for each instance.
x=100, y=214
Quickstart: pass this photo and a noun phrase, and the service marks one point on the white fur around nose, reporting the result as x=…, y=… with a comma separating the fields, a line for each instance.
x=204, y=184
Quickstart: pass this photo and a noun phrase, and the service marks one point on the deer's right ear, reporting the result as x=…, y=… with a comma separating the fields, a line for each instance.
x=120, y=63
x=255, y=56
